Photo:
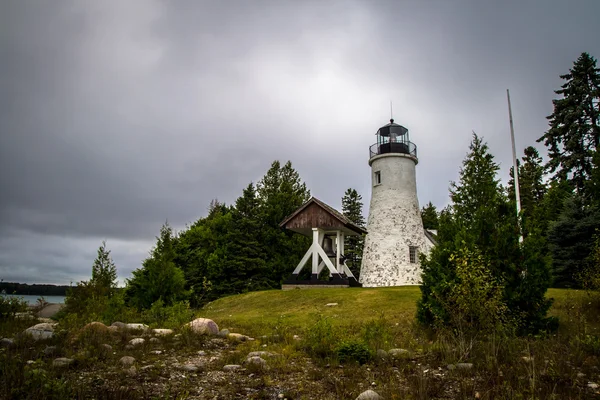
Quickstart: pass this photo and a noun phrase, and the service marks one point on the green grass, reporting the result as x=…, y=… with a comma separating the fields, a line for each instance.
x=299, y=307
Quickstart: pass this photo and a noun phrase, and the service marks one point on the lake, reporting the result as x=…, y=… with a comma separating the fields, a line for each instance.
x=32, y=299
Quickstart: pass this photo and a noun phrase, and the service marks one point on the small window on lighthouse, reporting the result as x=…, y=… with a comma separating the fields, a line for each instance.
x=377, y=178
x=413, y=254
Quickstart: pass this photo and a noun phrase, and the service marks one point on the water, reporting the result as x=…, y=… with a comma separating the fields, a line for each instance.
x=32, y=299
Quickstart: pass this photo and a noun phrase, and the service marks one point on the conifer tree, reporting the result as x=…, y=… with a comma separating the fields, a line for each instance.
x=159, y=278
x=430, y=217
x=104, y=272
x=352, y=209
x=574, y=134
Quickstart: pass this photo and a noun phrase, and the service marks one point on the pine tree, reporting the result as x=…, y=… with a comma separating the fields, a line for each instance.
x=159, y=278
x=481, y=222
x=352, y=209
x=104, y=271
x=430, y=217
x=280, y=192
x=574, y=134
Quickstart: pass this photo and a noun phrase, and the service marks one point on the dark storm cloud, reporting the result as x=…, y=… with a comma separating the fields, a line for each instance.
x=115, y=116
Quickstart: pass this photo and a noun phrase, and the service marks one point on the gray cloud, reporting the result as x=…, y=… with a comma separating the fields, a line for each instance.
x=115, y=116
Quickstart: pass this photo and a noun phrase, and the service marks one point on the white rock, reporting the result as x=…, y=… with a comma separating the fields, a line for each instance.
x=204, y=326
x=231, y=367
x=369, y=395
x=593, y=385
x=331, y=304
x=44, y=330
x=237, y=337
x=258, y=361
x=62, y=362
x=136, y=326
x=162, y=332
x=127, y=360
x=136, y=341
x=261, y=354
x=396, y=353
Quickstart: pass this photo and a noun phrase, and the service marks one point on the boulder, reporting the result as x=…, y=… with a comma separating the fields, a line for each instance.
x=162, y=332
x=49, y=350
x=381, y=354
x=95, y=325
x=204, y=326
x=7, y=342
x=231, y=367
x=127, y=360
x=369, y=395
x=256, y=361
x=44, y=330
x=135, y=326
x=224, y=332
x=136, y=341
x=154, y=340
x=106, y=347
x=188, y=367
x=119, y=325
x=238, y=337
x=62, y=362
x=398, y=353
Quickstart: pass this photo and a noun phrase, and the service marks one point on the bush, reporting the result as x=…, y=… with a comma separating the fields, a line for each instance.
x=9, y=306
x=320, y=339
x=353, y=351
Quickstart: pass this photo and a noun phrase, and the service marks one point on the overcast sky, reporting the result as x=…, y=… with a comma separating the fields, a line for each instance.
x=118, y=115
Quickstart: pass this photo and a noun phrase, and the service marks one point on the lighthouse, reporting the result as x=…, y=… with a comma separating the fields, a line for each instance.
x=395, y=229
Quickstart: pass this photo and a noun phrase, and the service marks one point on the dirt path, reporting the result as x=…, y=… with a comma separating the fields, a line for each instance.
x=50, y=310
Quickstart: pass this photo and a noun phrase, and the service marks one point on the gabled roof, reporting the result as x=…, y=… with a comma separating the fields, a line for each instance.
x=334, y=213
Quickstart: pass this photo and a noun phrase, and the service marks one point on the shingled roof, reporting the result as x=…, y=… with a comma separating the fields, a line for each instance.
x=332, y=211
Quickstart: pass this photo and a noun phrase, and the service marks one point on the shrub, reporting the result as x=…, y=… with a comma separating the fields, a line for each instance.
x=9, y=306
x=320, y=339
x=353, y=351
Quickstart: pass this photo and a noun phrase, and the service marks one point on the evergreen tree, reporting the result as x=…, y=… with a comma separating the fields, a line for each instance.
x=280, y=192
x=104, y=271
x=480, y=222
x=352, y=209
x=532, y=188
x=159, y=278
x=430, y=217
x=571, y=240
x=574, y=134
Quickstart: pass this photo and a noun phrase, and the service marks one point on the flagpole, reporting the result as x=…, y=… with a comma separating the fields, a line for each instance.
x=515, y=166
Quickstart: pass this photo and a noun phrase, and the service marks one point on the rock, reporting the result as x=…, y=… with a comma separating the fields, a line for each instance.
x=154, y=340
x=296, y=337
x=163, y=332
x=231, y=367
x=62, y=362
x=398, y=353
x=593, y=385
x=189, y=367
x=580, y=375
x=131, y=371
x=24, y=315
x=136, y=341
x=95, y=325
x=204, y=326
x=50, y=350
x=112, y=328
x=331, y=304
x=142, y=327
x=369, y=395
x=464, y=365
x=127, y=360
x=119, y=325
x=30, y=362
x=224, y=332
x=201, y=353
x=44, y=330
x=261, y=354
x=238, y=337
x=257, y=361
x=156, y=352
x=106, y=347
x=381, y=354
x=527, y=359
x=7, y=342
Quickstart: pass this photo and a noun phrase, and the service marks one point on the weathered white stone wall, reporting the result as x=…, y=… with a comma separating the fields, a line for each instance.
x=394, y=224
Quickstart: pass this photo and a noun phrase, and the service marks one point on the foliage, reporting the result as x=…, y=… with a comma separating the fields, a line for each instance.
x=430, y=216
x=159, y=278
x=574, y=134
x=172, y=317
x=571, y=239
x=480, y=227
x=353, y=246
x=320, y=338
x=104, y=272
x=353, y=351
x=10, y=305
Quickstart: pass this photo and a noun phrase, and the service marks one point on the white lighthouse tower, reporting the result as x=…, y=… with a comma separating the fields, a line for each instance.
x=396, y=235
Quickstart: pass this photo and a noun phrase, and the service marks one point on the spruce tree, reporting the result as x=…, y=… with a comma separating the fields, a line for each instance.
x=481, y=221
x=430, y=217
x=352, y=209
x=574, y=134
x=104, y=272
x=159, y=278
